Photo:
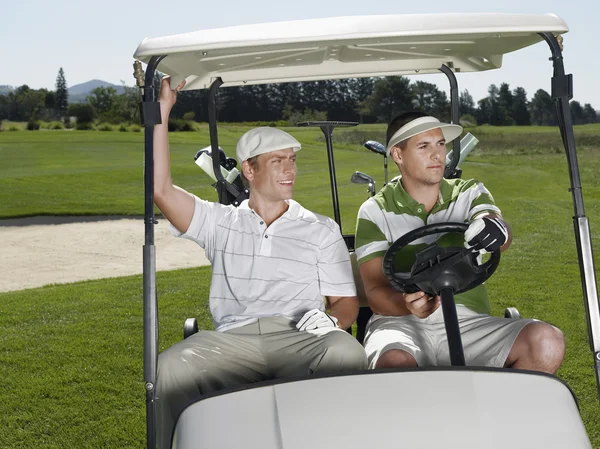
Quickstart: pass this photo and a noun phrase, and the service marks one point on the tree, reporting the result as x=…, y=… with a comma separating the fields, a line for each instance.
x=390, y=97
x=361, y=89
x=542, y=109
x=125, y=107
x=466, y=104
x=494, y=109
x=576, y=113
x=102, y=99
x=191, y=101
x=26, y=104
x=50, y=100
x=589, y=114
x=520, y=107
x=483, y=111
x=62, y=96
x=83, y=112
x=505, y=105
x=429, y=99
x=4, y=108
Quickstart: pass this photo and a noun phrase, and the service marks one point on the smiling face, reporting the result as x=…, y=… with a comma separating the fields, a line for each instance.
x=273, y=175
x=422, y=158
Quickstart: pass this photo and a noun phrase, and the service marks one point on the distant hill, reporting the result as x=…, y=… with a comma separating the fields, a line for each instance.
x=78, y=92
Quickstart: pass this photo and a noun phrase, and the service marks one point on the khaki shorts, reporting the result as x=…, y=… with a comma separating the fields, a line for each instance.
x=486, y=340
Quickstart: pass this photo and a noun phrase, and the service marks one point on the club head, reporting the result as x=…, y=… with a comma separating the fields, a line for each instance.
x=361, y=178
x=375, y=147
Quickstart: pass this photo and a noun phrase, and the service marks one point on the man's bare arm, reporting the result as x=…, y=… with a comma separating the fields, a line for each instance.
x=176, y=204
x=385, y=300
x=344, y=308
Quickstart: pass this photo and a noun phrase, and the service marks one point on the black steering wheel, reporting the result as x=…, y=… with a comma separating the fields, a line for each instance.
x=436, y=267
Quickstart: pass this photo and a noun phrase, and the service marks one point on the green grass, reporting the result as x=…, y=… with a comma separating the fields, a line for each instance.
x=101, y=173
x=71, y=356
x=71, y=359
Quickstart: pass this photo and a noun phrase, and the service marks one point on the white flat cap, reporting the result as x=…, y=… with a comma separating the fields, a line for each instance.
x=264, y=140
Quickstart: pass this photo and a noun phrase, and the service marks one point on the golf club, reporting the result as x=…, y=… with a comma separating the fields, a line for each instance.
x=379, y=148
x=359, y=177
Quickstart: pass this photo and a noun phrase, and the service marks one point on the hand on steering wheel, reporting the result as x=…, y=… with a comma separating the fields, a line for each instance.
x=420, y=304
x=436, y=267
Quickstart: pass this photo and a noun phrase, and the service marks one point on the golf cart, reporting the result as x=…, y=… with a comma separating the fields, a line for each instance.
x=458, y=406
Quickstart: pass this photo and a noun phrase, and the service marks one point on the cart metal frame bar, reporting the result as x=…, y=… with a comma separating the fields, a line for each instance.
x=562, y=92
x=150, y=117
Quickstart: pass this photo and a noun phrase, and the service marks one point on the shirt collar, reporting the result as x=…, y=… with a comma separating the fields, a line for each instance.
x=294, y=209
x=403, y=199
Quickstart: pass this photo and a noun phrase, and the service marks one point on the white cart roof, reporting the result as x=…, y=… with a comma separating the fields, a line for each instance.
x=345, y=47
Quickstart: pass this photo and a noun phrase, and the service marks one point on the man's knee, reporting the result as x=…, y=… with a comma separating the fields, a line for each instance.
x=342, y=354
x=179, y=368
x=395, y=358
x=545, y=343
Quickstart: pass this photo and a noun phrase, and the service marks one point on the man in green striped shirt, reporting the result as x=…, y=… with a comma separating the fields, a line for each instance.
x=407, y=330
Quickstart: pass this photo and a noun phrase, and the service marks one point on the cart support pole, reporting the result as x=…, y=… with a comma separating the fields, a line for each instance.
x=227, y=192
x=327, y=126
x=562, y=92
x=450, y=171
x=327, y=131
x=150, y=117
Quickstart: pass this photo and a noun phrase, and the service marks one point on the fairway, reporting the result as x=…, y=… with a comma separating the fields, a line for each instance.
x=71, y=355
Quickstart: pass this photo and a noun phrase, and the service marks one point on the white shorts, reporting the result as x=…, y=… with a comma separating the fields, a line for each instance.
x=486, y=340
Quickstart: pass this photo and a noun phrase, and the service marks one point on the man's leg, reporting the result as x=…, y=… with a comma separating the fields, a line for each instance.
x=539, y=347
x=398, y=342
x=503, y=342
x=294, y=353
x=205, y=362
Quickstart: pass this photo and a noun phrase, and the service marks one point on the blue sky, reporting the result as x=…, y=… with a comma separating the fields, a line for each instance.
x=97, y=39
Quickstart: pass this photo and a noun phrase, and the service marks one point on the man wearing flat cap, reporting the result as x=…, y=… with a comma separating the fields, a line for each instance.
x=407, y=329
x=272, y=263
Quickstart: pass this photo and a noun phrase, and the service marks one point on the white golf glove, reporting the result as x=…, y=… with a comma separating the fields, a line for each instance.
x=486, y=234
x=316, y=319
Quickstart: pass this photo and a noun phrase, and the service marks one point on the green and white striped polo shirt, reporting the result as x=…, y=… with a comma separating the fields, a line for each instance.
x=391, y=213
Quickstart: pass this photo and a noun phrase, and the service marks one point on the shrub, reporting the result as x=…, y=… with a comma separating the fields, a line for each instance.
x=83, y=113
x=467, y=120
x=104, y=127
x=56, y=125
x=272, y=123
x=294, y=117
x=355, y=136
x=13, y=128
x=180, y=125
x=123, y=128
x=85, y=126
x=135, y=128
x=33, y=125
x=189, y=115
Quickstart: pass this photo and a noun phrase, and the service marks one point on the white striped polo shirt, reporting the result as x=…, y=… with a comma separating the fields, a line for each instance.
x=391, y=213
x=258, y=271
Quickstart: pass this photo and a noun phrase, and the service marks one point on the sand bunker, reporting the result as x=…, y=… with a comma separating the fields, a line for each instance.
x=56, y=250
